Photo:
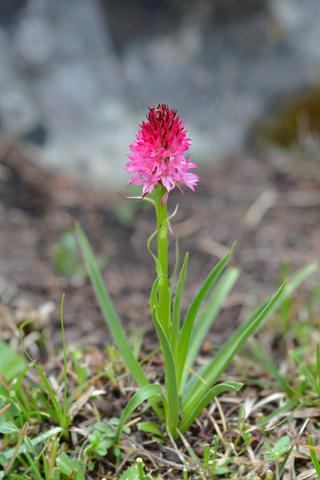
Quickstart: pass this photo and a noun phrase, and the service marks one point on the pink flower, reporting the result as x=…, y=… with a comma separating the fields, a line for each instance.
x=158, y=153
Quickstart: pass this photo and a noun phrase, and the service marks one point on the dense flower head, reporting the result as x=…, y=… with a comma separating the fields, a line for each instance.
x=158, y=153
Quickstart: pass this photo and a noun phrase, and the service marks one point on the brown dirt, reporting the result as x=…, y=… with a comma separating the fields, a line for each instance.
x=36, y=208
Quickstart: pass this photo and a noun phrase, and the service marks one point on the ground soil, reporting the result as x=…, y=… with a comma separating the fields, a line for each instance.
x=268, y=203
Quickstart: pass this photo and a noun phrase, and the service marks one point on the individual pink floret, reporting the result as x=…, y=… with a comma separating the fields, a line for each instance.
x=158, y=153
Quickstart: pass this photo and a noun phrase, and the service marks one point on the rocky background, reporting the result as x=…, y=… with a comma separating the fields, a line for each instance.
x=76, y=76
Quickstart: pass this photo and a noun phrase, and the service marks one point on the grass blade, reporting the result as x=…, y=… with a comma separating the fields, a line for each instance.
x=270, y=366
x=62, y=419
x=279, y=411
x=283, y=464
x=295, y=281
x=314, y=457
x=318, y=363
x=110, y=315
x=192, y=312
x=35, y=441
x=45, y=466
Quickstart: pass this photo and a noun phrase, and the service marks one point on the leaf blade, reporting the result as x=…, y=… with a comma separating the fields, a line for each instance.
x=206, y=399
x=109, y=313
x=213, y=369
x=192, y=312
x=220, y=292
x=172, y=394
x=177, y=308
x=140, y=396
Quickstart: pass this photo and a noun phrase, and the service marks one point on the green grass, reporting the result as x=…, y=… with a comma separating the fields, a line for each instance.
x=53, y=424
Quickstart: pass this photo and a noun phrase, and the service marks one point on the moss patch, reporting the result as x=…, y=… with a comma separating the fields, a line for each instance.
x=287, y=127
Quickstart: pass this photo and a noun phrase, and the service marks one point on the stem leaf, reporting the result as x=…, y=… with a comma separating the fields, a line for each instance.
x=177, y=308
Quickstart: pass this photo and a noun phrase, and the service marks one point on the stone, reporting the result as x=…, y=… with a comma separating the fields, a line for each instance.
x=77, y=77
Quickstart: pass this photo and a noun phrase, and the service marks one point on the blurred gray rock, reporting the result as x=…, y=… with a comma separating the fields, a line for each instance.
x=77, y=76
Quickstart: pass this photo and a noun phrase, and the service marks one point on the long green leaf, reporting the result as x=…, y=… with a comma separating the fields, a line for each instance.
x=220, y=292
x=110, y=315
x=45, y=466
x=279, y=411
x=295, y=281
x=193, y=380
x=314, y=457
x=213, y=369
x=177, y=308
x=35, y=441
x=192, y=312
x=140, y=396
x=206, y=399
x=289, y=288
x=172, y=394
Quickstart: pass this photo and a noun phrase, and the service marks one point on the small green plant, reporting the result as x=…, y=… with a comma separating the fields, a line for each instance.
x=210, y=461
x=158, y=164
x=281, y=447
x=101, y=439
x=56, y=412
x=44, y=425
x=24, y=446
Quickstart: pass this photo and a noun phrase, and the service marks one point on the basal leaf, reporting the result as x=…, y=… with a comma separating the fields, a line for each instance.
x=192, y=312
x=213, y=307
x=205, y=400
x=110, y=315
x=170, y=376
x=212, y=371
x=140, y=396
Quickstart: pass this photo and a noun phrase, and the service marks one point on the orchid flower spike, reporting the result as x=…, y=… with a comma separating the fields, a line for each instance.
x=158, y=153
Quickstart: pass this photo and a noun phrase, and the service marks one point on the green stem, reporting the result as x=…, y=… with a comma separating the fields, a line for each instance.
x=164, y=304
x=65, y=362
